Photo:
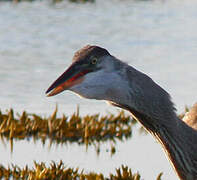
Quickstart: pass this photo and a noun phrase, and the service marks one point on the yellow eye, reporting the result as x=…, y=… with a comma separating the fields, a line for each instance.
x=94, y=60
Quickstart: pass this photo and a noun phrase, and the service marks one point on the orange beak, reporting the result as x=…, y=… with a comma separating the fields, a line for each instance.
x=72, y=76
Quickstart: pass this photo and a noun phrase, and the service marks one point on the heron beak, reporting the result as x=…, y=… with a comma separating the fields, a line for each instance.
x=72, y=76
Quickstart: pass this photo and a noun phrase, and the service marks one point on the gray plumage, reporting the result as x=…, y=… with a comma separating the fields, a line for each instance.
x=96, y=74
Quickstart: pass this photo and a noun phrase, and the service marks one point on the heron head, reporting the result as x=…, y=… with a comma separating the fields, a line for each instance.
x=91, y=75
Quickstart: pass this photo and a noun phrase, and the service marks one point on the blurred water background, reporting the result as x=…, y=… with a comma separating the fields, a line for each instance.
x=38, y=40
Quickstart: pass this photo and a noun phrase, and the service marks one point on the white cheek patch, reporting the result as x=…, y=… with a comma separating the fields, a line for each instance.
x=102, y=85
x=96, y=78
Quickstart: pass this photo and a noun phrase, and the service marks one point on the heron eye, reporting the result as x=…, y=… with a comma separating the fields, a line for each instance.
x=94, y=60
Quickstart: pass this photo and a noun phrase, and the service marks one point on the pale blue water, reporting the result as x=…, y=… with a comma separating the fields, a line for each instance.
x=38, y=40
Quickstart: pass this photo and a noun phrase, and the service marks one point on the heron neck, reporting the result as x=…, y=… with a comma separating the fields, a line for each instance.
x=178, y=140
x=179, y=143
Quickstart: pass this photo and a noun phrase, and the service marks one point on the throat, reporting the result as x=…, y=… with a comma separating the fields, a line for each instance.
x=142, y=118
x=146, y=121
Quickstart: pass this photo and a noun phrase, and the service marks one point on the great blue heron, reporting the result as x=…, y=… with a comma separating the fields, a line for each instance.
x=96, y=74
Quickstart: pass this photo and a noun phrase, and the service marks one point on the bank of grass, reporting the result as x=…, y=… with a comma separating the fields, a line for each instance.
x=88, y=130
x=60, y=172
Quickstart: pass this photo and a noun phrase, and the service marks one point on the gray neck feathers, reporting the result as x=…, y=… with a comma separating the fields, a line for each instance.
x=152, y=106
x=145, y=96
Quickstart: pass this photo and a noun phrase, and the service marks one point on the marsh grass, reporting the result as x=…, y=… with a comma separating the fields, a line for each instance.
x=88, y=130
x=60, y=172
x=187, y=108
